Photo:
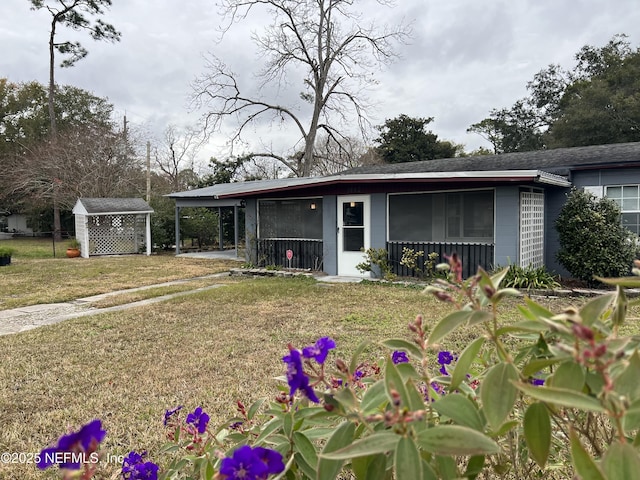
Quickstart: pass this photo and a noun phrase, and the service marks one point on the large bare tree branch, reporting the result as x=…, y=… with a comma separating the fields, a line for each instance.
x=325, y=39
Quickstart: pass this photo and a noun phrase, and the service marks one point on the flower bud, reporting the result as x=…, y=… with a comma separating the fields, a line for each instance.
x=328, y=407
x=395, y=396
x=600, y=350
x=342, y=367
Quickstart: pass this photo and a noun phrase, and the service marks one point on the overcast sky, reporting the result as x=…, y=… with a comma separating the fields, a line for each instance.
x=465, y=58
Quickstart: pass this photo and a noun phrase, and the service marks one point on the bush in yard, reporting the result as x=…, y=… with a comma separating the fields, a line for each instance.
x=555, y=395
x=593, y=242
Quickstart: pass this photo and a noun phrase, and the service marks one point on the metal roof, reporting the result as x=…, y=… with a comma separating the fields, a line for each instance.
x=541, y=166
x=255, y=188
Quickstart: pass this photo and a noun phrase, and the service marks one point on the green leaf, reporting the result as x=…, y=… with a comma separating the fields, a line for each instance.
x=529, y=326
x=355, y=358
x=468, y=355
x=585, y=466
x=569, y=376
x=474, y=466
x=407, y=461
x=382, y=442
x=347, y=399
x=534, y=366
x=629, y=282
x=393, y=381
x=404, y=345
x=447, y=468
x=253, y=409
x=456, y=440
x=287, y=424
x=304, y=446
x=561, y=396
x=497, y=277
x=498, y=394
x=447, y=325
x=268, y=428
x=594, y=309
x=343, y=436
x=537, y=432
x=459, y=409
x=621, y=461
x=479, y=316
x=373, y=467
x=375, y=398
x=631, y=419
x=628, y=382
x=302, y=464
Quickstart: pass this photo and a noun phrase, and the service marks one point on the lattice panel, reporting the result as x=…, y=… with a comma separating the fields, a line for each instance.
x=116, y=234
x=531, y=229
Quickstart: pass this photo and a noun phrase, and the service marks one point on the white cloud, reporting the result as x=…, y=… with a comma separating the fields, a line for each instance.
x=466, y=57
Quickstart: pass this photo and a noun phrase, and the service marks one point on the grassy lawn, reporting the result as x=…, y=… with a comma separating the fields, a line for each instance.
x=208, y=349
x=32, y=278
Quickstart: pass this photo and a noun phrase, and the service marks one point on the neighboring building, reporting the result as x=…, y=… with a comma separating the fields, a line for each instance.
x=492, y=210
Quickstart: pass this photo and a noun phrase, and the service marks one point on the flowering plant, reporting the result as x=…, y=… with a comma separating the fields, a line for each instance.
x=554, y=391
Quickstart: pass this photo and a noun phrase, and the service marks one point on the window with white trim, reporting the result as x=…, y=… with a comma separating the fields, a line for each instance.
x=628, y=199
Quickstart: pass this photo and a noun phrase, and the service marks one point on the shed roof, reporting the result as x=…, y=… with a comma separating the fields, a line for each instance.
x=108, y=206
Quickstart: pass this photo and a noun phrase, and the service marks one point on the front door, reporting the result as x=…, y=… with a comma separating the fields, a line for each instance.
x=353, y=233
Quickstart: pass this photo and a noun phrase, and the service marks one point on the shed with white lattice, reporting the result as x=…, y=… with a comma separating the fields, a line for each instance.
x=113, y=226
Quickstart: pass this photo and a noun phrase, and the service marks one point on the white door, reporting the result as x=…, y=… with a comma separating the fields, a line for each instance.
x=353, y=233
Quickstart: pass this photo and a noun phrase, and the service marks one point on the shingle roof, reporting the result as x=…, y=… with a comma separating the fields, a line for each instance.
x=115, y=205
x=558, y=161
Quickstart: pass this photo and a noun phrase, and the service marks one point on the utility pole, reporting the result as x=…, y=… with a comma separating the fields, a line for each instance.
x=148, y=171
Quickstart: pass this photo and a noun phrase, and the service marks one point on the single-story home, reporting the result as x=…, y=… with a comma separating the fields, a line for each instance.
x=492, y=210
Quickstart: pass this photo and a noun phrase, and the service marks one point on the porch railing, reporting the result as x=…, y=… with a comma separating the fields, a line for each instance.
x=306, y=253
x=472, y=255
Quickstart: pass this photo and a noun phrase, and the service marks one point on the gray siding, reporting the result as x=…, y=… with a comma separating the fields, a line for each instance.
x=379, y=220
x=251, y=230
x=555, y=199
x=329, y=234
x=507, y=216
x=622, y=176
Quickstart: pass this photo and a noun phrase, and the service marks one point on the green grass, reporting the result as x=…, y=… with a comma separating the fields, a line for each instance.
x=209, y=349
x=31, y=281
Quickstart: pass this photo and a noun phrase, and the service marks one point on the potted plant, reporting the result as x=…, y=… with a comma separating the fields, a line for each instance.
x=73, y=250
x=5, y=256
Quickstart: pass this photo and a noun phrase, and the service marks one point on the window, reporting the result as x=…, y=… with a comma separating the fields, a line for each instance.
x=440, y=217
x=290, y=218
x=628, y=199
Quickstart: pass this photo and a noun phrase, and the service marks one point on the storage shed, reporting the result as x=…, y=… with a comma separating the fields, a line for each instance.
x=110, y=226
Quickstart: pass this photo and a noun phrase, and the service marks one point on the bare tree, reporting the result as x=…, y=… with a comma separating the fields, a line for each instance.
x=332, y=157
x=177, y=155
x=90, y=162
x=329, y=42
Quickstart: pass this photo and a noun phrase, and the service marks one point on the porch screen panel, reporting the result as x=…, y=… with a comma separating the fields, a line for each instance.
x=410, y=217
x=442, y=217
x=290, y=218
x=531, y=229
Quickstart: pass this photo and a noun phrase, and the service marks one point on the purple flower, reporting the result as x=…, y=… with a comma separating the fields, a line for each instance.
x=74, y=448
x=319, y=350
x=169, y=413
x=199, y=419
x=443, y=370
x=271, y=458
x=296, y=378
x=399, y=357
x=135, y=468
x=248, y=463
x=445, y=358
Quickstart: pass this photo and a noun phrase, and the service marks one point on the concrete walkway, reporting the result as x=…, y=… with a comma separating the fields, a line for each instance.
x=22, y=319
